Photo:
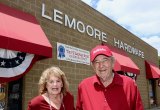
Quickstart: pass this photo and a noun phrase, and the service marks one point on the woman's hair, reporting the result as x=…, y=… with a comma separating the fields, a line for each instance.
x=57, y=72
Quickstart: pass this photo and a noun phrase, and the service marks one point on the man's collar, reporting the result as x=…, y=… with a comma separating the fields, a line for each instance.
x=117, y=80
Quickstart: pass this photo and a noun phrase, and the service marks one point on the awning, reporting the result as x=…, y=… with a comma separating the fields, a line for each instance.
x=21, y=31
x=152, y=71
x=23, y=42
x=123, y=62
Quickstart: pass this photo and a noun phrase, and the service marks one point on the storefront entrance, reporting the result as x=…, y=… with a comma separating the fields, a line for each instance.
x=15, y=90
x=152, y=92
x=11, y=95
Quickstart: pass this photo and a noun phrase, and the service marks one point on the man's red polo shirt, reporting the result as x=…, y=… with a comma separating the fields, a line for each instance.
x=121, y=94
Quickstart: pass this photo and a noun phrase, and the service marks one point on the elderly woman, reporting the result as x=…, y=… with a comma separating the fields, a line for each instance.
x=53, y=90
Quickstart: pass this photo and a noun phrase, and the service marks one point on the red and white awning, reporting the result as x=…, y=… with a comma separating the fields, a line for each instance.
x=22, y=42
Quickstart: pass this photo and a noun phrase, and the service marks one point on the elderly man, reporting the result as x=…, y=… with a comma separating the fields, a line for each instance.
x=107, y=90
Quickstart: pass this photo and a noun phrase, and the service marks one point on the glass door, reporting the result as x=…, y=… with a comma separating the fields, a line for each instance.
x=15, y=95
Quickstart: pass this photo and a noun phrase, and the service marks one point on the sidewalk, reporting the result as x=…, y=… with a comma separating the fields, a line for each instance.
x=155, y=108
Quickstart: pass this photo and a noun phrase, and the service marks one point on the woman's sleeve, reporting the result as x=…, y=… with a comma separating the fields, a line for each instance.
x=29, y=106
x=73, y=108
x=34, y=104
x=69, y=102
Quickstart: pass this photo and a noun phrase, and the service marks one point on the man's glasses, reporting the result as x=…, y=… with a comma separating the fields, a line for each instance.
x=105, y=60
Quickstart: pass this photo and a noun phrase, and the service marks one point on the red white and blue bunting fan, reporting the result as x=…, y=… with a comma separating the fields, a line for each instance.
x=13, y=64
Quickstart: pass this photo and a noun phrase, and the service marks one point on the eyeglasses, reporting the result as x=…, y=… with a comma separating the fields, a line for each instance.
x=105, y=60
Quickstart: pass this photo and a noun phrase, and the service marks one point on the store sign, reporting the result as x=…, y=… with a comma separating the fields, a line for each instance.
x=72, y=54
x=64, y=19
x=128, y=48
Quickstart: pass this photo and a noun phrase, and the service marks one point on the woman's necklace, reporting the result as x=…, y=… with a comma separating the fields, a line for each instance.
x=61, y=102
x=49, y=102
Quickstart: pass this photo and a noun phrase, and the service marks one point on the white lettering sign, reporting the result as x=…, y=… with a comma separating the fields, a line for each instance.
x=128, y=48
x=72, y=54
x=63, y=19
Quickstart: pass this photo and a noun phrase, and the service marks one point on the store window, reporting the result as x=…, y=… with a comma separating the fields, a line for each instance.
x=11, y=95
x=15, y=95
x=152, y=92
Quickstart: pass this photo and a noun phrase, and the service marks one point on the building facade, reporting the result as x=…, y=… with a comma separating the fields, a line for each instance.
x=73, y=25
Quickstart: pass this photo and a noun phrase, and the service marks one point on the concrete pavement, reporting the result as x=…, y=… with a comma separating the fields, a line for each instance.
x=155, y=108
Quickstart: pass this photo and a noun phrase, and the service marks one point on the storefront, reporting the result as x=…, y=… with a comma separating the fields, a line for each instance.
x=67, y=29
